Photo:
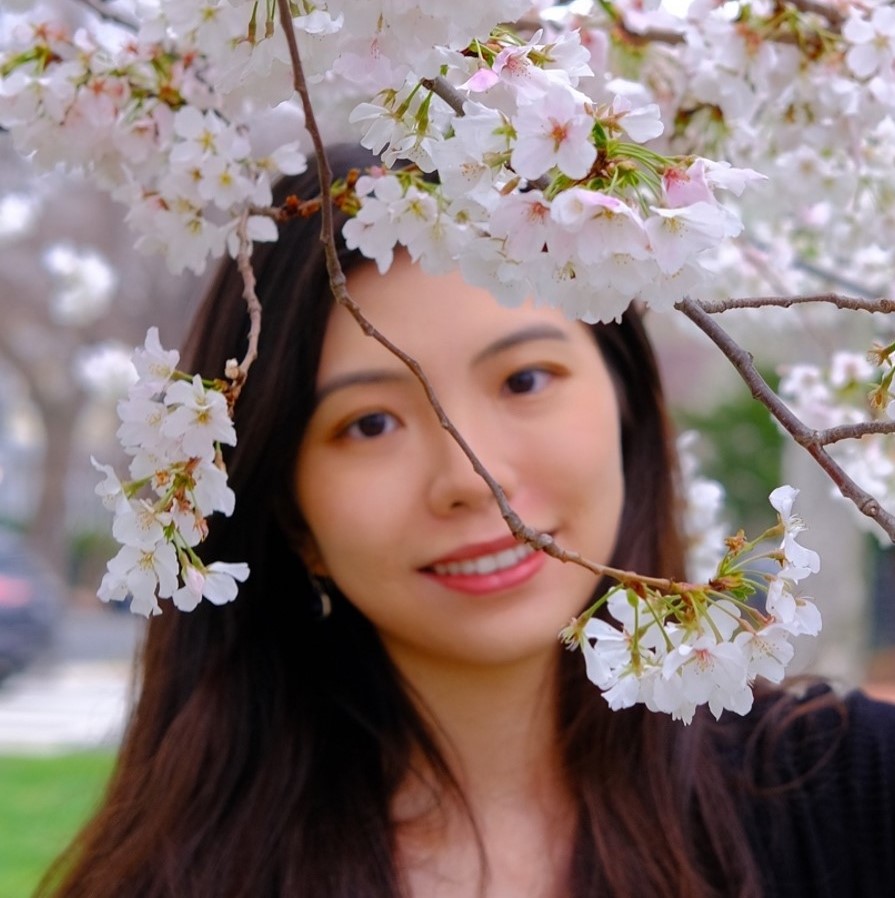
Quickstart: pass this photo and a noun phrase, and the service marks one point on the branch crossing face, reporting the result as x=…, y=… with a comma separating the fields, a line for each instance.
x=590, y=156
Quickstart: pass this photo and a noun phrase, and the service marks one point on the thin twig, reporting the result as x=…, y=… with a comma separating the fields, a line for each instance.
x=253, y=305
x=519, y=529
x=882, y=305
x=273, y=212
x=854, y=431
x=804, y=436
x=444, y=89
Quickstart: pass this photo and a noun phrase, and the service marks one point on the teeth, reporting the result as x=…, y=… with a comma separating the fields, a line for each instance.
x=484, y=564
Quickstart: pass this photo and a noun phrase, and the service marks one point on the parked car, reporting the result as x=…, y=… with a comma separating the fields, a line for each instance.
x=30, y=599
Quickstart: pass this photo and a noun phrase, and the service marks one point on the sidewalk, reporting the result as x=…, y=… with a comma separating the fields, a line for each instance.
x=76, y=696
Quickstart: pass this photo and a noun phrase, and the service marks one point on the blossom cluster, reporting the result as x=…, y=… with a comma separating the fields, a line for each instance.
x=547, y=187
x=173, y=426
x=697, y=644
x=140, y=115
x=547, y=184
x=588, y=155
x=598, y=221
x=803, y=93
x=586, y=124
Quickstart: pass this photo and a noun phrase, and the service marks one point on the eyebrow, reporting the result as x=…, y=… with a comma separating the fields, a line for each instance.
x=356, y=378
x=388, y=375
x=523, y=335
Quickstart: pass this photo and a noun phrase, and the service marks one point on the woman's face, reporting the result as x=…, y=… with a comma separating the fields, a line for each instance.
x=397, y=516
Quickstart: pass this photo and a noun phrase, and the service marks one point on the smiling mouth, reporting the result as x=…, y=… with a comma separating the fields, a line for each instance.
x=484, y=564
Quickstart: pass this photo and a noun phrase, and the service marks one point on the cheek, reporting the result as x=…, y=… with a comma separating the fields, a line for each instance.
x=591, y=481
x=352, y=520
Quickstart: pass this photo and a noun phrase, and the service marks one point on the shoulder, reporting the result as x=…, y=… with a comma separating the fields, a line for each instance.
x=816, y=777
x=869, y=741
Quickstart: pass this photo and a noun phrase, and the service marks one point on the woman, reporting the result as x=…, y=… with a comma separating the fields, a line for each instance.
x=386, y=710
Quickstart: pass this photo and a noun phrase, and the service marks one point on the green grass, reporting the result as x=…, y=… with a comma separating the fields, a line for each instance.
x=43, y=802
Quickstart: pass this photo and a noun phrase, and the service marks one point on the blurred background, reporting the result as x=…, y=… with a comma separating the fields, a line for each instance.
x=76, y=297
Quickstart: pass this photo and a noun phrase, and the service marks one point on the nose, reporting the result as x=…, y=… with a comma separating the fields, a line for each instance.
x=454, y=484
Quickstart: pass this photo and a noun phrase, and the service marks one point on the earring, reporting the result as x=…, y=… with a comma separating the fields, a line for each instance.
x=324, y=602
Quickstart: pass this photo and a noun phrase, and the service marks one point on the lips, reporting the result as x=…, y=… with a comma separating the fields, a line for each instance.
x=486, y=567
x=485, y=564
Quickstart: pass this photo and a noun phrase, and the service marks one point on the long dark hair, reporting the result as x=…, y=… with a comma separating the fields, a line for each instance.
x=266, y=746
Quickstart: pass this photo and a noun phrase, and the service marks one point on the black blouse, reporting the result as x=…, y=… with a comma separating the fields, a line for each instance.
x=819, y=801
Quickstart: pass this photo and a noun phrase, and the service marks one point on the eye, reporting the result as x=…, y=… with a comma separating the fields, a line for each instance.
x=374, y=424
x=527, y=380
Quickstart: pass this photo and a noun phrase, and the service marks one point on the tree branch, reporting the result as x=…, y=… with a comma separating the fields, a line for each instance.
x=444, y=89
x=854, y=431
x=810, y=439
x=519, y=529
x=881, y=305
x=253, y=305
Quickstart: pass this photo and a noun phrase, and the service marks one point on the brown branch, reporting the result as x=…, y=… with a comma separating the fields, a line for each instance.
x=854, y=431
x=253, y=304
x=444, y=89
x=881, y=305
x=519, y=529
x=804, y=436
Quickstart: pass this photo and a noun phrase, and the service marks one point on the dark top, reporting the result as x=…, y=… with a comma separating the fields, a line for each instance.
x=823, y=823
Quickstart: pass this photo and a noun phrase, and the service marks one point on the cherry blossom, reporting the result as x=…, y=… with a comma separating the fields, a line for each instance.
x=144, y=574
x=872, y=41
x=673, y=655
x=594, y=155
x=703, y=523
x=561, y=138
x=799, y=561
x=217, y=583
x=198, y=417
x=172, y=426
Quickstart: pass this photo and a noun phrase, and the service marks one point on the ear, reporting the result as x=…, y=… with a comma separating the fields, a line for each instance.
x=298, y=536
x=305, y=546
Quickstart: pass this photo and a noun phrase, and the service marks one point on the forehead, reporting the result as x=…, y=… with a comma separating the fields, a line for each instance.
x=430, y=317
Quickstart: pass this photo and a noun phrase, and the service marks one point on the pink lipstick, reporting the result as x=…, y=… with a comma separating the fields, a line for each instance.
x=487, y=567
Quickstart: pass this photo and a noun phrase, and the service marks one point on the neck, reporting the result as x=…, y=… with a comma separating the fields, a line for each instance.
x=495, y=725
x=496, y=728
